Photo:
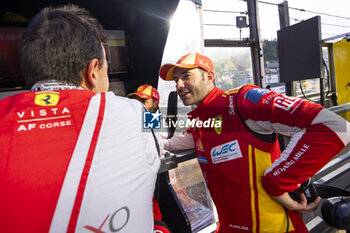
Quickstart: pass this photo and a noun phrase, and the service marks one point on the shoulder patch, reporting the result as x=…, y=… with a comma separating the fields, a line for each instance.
x=255, y=94
x=232, y=91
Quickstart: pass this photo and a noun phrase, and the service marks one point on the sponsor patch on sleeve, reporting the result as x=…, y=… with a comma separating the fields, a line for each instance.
x=255, y=94
x=285, y=102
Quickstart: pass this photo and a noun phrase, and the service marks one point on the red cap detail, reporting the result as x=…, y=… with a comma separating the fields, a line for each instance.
x=188, y=61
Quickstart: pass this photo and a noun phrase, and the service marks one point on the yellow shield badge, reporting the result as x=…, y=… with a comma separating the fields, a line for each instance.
x=218, y=124
x=200, y=146
x=46, y=99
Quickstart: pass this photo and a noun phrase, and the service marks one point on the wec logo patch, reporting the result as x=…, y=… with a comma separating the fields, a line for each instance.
x=225, y=152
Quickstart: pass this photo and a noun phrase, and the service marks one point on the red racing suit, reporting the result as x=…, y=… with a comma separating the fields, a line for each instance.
x=72, y=161
x=241, y=160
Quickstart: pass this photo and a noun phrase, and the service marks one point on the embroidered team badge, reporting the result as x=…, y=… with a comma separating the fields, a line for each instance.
x=47, y=98
x=218, y=130
x=200, y=146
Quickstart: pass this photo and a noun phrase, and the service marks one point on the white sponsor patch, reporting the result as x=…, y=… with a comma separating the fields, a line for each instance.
x=285, y=102
x=225, y=152
x=239, y=227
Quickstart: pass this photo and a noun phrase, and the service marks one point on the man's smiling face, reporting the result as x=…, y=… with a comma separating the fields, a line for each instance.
x=192, y=85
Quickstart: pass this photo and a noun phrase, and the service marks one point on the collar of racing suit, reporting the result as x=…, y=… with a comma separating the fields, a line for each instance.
x=50, y=85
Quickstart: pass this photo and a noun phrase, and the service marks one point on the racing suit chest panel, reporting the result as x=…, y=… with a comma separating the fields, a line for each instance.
x=46, y=122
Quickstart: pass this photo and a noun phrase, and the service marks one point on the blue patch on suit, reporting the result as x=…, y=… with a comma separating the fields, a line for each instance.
x=255, y=94
x=202, y=159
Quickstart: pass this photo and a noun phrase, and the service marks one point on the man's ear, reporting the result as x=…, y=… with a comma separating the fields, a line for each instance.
x=90, y=76
x=211, y=76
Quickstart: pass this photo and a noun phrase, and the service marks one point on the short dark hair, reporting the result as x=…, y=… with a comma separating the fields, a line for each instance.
x=202, y=71
x=59, y=43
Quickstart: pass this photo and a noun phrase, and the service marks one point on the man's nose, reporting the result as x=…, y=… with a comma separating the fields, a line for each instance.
x=180, y=84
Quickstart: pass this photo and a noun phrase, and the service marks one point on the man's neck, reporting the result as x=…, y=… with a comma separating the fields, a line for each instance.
x=210, y=90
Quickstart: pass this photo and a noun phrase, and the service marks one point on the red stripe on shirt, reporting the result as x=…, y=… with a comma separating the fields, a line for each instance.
x=84, y=177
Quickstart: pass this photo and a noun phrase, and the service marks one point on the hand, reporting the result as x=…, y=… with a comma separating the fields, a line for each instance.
x=308, y=207
x=302, y=206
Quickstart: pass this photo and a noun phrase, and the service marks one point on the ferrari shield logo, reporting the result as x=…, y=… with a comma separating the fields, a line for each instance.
x=218, y=129
x=46, y=99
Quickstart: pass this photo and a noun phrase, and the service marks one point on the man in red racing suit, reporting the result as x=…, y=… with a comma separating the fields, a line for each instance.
x=247, y=175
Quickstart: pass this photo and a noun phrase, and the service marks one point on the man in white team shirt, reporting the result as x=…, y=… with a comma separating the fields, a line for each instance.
x=73, y=160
